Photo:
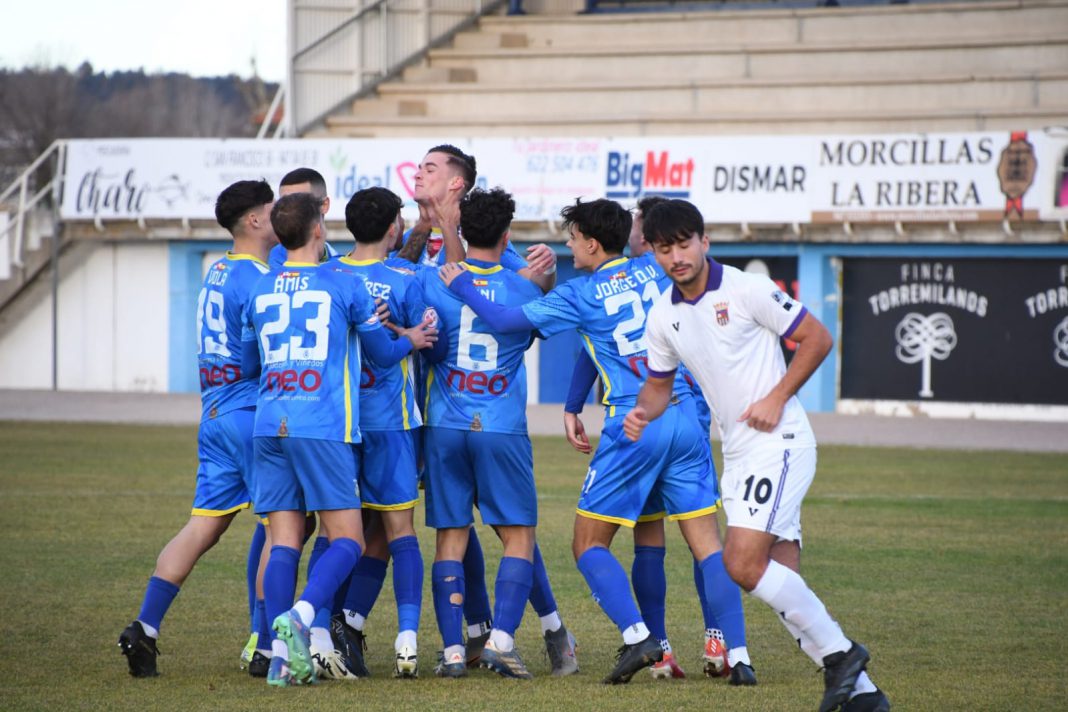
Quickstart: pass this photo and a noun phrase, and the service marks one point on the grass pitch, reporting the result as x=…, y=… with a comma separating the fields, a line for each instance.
x=951, y=566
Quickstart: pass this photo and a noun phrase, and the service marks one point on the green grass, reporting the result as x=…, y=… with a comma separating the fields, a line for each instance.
x=951, y=566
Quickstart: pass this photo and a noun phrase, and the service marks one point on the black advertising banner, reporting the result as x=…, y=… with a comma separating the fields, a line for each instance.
x=782, y=271
x=959, y=330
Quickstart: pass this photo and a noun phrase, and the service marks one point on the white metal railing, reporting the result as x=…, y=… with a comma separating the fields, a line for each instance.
x=27, y=202
x=340, y=50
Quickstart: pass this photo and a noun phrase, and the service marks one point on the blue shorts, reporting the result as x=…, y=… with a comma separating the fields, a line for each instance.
x=305, y=475
x=670, y=468
x=224, y=473
x=494, y=469
x=388, y=478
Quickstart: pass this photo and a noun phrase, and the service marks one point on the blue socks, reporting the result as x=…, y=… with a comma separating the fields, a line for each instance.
x=447, y=582
x=366, y=584
x=407, y=581
x=280, y=582
x=541, y=593
x=252, y=565
x=159, y=594
x=514, y=578
x=263, y=627
x=725, y=600
x=706, y=610
x=333, y=567
x=476, y=602
x=650, y=587
x=318, y=549
x=608, y=584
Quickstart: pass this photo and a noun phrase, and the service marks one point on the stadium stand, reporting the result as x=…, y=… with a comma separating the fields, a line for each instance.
x=961, y=66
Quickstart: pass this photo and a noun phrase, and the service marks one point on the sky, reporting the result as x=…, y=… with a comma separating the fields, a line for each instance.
x=198, y=37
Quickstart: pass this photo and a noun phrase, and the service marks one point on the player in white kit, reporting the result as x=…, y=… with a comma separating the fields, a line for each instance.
x=724, y=325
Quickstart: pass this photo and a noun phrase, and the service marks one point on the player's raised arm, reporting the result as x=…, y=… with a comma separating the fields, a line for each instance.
x=541, y=266
x=500, y=318
x=417, y=237
x=814, y=342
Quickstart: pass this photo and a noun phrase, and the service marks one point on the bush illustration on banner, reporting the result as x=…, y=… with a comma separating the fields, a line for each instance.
x=921, y=338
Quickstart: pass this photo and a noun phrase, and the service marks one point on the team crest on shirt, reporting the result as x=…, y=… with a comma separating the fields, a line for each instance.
x=283, y=429
x=476, y=423
x=723, y=317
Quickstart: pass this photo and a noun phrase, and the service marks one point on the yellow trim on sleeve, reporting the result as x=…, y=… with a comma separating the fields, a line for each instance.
x=482, y=270
x=603, y=374
x=219, y=512
x=429, y=383
x=390, y=507
x=404, y=394
x=348, y=397
x=602, y=518
x=358, y=263
x=652, y=517
x=695, y=514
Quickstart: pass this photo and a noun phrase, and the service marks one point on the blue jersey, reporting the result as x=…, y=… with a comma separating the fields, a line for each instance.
x=481, y=384
x=277, y=257
x=608, y=307
x=387, y=395
x=220, y=309
x=305, y=319
x=433, y=254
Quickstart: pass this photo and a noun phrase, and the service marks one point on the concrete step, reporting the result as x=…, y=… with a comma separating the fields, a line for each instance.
x=801, y=26
x=474, y=39
x=888, y=59
x=438, y=75
x=858, y=120
x=759, y=96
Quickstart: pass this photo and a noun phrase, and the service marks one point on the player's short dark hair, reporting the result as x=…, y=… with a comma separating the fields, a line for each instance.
x=485, y=216
x=603, y=220
x=293, y=218
x=646, y=204
x=464, y=162
x=306, y=175
x=370, y=212
x=240, y=197
x=672, y=221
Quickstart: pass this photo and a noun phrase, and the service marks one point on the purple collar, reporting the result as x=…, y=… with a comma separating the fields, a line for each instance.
x=715, y=279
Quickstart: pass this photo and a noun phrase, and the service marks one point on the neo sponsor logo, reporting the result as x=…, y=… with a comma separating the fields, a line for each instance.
x=477, y=382
x=219, y=376
x=290, y=380
x=661, y=173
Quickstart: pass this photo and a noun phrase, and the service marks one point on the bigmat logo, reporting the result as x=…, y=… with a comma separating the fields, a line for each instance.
x=659, y=174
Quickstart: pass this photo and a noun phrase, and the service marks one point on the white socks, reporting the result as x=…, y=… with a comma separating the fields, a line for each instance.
x=305, y=611
x=635, y=634
x=502, y=642
x=787, y=593
x=738, y=655
x=149, y=630
x=477, y=629
x=551, y=623
x=405, y=637
x=354, y=619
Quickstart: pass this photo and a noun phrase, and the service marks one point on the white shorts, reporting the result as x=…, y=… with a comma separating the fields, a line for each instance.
x=763, y=490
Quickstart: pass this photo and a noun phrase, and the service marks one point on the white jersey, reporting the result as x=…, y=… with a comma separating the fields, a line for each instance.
x=729, y=340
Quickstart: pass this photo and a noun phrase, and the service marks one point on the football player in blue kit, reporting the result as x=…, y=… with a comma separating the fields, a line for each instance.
x=228, y=397
x=309, y=322
x=389, y=418
x=608, y=308
x=647, y=569
x=476, y=442
x=303, y=180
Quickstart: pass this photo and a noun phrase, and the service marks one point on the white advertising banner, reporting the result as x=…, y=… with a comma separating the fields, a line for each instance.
x=732, y=179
